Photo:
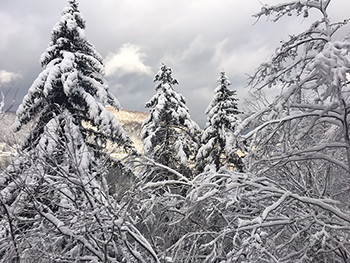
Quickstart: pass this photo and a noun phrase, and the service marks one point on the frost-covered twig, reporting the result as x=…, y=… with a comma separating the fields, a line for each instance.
x=10, y=220
x=2, y=101
x=44, y=211
x=145, y=161
x=140, y=239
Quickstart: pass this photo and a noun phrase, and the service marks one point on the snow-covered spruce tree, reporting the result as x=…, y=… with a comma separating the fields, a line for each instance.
x=219, y=145
x=302, y=138
x=54, y=200
x=169, y=135
x=72, y=80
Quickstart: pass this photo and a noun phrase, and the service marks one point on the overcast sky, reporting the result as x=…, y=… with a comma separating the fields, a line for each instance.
x=196, y=38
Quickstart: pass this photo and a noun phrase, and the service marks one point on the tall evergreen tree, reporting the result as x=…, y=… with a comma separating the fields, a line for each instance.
x=72, y=82
x=169, y=135
x=54, y=195
x=219, y=146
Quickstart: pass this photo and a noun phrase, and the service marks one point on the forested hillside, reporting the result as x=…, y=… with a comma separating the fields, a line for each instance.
x=267, y=183
x=8, y=139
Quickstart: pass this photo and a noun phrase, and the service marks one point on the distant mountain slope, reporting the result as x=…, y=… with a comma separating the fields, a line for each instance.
x=131, y=121
x=8, y=138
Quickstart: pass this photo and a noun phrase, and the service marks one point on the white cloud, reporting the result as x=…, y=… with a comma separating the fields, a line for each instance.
x=6, y=76
x=128, y=59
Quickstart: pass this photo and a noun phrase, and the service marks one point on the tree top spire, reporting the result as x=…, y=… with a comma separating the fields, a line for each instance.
x=164, y=75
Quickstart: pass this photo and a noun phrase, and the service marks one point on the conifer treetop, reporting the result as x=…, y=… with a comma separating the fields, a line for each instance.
x=223, y=104
x=223, y=79
x=167, y=104
x=164, y=76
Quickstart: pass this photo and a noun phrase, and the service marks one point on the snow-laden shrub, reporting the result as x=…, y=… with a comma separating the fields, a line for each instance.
x=227, y=216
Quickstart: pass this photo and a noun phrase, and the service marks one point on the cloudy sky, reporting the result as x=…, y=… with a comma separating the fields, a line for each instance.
x=196, y=38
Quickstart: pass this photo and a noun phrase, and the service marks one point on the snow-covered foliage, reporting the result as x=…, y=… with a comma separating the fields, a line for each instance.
x=72, y=79
x=54, y=208
x=219, y=145
x=302, y=137
x=55, y=203
x=169, y=135
x=227, y=216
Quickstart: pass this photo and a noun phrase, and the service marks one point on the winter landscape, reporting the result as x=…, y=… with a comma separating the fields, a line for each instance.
x=264, y=180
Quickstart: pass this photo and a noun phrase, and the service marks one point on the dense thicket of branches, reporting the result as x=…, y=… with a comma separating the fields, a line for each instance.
x=302, y=137
x=234, y=217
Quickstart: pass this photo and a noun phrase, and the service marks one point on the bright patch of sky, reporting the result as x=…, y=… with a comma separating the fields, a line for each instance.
x=127, y=60
x=7, y=77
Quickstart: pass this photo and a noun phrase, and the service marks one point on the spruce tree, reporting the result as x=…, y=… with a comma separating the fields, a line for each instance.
x=54, y=196
x=71, y=81
x=169, y=135
x=219, y=145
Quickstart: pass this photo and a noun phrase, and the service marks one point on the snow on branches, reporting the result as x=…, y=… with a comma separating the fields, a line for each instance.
x=55, y=193
x=302, y=137
x=332, y=68
x=73, y=80
x=298, y=7
x=169, y=135
x=218, y=141
x=226, y=216
x=57, y=205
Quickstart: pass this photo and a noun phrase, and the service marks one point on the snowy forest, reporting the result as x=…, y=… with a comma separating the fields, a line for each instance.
x=267, y=183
